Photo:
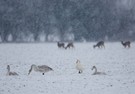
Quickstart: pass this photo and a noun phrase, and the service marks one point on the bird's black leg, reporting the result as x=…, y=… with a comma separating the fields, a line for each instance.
x=80, y=72
x=42, y=73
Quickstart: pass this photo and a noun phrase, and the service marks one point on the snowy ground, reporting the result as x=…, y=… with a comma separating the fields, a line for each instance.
x=115, y=60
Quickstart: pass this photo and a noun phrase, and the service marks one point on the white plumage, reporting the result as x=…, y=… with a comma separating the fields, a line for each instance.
x=96, y=72
x=79, y=66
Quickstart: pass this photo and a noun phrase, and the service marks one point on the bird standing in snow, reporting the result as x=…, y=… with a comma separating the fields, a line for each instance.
x=96, y=72
x=9, y=73
x=79, y=67
x=43, y=69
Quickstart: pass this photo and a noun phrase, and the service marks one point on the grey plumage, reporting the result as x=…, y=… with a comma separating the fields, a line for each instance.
x=9, y=73
x=43, y=69
x=96, y=72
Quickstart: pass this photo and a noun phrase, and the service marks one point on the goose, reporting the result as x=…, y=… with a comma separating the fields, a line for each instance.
x=79, y=67
x=9, y=73
x=96, y=72
x=42, y=69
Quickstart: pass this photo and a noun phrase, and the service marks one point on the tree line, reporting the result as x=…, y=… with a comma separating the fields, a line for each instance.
x=66, y=20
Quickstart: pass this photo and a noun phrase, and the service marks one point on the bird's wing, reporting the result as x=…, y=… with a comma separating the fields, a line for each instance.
x=44, y=67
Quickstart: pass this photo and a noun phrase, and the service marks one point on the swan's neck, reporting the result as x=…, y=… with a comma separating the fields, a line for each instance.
x=35, y=68
x=8, y=71
x=95, y=70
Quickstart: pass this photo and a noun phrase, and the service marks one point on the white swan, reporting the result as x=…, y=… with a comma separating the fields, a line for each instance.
x=96, y=72
x=79, y=67
x=9, y=73
x=42, y=69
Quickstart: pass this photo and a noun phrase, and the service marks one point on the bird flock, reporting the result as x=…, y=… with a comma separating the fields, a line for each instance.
x=79, y=67
x=44, y=68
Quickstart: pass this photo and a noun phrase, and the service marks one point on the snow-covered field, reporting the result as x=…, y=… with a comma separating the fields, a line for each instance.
x=115, y=60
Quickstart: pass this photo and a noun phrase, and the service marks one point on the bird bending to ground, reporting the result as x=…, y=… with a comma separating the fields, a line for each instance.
x=43, y=69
